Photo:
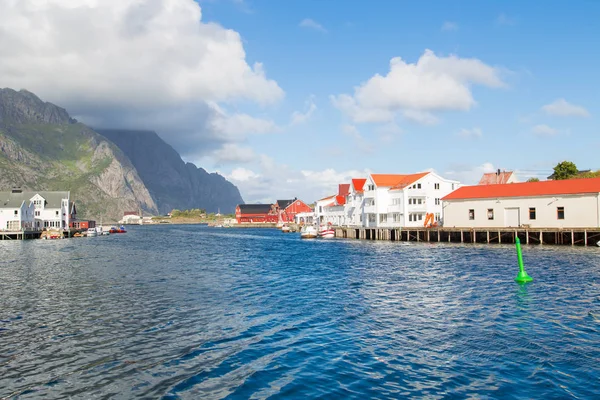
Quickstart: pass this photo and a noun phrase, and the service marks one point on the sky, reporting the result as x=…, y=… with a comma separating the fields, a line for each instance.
x=290, y=98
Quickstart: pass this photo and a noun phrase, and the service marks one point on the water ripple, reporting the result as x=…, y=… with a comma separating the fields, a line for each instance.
x=186, y=312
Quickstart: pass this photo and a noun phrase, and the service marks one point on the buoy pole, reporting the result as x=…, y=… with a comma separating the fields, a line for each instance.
x=522, y=277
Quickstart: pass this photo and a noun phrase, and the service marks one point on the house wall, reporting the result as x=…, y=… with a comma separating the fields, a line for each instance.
x=53, y=217
x=298, y=206
x=14, y=219
x=580, y=211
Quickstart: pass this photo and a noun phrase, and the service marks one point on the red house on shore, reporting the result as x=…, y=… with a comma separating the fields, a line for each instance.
x=281, y=211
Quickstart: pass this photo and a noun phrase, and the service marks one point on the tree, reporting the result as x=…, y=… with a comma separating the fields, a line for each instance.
x=533, y=180
x=565, y=170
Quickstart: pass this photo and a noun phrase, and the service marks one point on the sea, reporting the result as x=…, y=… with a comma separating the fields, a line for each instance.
x=196, y=312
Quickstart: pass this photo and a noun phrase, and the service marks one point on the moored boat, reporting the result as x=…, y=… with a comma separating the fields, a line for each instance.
x=326, y=232
x=91, y=232
x=285, y=228
x=308, y=232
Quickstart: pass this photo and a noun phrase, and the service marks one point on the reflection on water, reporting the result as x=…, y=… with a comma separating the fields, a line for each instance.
x=194, y=312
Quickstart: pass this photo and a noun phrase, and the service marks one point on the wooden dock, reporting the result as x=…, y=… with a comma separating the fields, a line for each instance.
x=572, y=237
x=33, y=234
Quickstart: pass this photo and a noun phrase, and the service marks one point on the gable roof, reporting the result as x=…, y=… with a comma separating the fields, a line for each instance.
x=396, y=181
x=493, y=178
x=14, y=199
x=358, y=184
x=343, y=189
x=283, y=204
x=255, y=208
x=527, y=189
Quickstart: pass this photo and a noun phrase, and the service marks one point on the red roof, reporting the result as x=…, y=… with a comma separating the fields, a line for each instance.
x=493, y=178
x=358, y=184
x=527, y=189
x=344, y=189
x=340, y=200
x=396, y=181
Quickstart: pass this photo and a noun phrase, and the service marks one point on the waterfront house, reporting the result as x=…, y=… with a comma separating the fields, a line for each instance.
x=256, y=213
x=573, y=203
x=24, y=210
x=288, y=209
x=404, y=200
x=131, y=217
x=322, y=209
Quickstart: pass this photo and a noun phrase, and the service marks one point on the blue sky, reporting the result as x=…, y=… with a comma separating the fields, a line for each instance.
x=475, y=86
x=544, y=51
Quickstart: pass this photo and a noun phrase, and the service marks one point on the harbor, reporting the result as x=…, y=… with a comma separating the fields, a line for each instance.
x=571, y=237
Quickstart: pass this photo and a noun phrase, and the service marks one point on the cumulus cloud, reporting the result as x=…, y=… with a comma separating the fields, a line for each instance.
x=544, y=130
x=416, y=90
x=137, y=64
x=470, y=133
x=312, y=24
x=449, y=26
x=468, y=174
x=232, y=153
x=562, y=108
x=301, y=117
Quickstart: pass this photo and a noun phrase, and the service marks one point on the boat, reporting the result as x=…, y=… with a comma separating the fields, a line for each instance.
x=285, y=228
x=308, y=232
x=122, y=229
x=114, y=229
x=52, y=234
x=326, y=232
x=91, y=232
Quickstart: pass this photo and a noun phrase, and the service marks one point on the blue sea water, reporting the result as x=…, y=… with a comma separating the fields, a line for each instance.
x=195, y=312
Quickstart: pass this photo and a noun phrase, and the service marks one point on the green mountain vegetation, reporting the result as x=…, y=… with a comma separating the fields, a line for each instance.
x=42, y=148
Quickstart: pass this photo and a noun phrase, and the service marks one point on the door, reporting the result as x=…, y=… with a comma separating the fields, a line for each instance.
x=512, y=218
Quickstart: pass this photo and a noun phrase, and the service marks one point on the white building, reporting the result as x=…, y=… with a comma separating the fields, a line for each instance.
x=573, y=203
x=394, y=200
x=23, y=210
x=354, y=202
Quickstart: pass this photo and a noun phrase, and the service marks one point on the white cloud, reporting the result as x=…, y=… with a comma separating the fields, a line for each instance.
x=449, y=26
x=312, y=24
x=299, y=117
x=238, y=125
x=470, y=133
x=232, y=153
x=420, y=117
x=126, y=51
x=544, y=130
x=562, y=108
x=243, y=175
x=468, y=174
x=431, y=84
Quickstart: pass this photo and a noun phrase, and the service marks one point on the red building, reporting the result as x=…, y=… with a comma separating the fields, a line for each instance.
x=82, y=224
x=281, y=211
x=289, y=208
x=255, y=213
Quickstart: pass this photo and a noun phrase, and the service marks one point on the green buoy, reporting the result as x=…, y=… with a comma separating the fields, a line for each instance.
x=522, y=277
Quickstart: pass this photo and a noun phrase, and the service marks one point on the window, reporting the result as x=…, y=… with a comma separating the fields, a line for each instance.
x=471, y=214
x=382, y=217
x=370, y=187
x=490, y=213
x=418, y=201
x=436, y=186
x=560, y=212
x=396, y=217
x=437, y=217
x=418, y=186
x=531, y=212
x=453, y=186
x=57, y=213
x=420, y=217
x=16, y=212
x=437, y=202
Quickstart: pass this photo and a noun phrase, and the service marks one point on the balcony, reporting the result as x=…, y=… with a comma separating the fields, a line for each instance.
x=395, y=208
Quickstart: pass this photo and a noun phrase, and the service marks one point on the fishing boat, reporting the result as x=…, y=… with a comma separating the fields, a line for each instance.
x=308, y=232
x=285, y=228
x=91, y=232
x=326, y=232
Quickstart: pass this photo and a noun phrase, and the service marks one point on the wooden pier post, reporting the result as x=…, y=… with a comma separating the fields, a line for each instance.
x=572, y=238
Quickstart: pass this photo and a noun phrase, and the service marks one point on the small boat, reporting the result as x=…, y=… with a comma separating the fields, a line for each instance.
x=285, y=228
x=308, y=232
x=122, y=229
x=326, y=232
x=91, y=232
x=51, y=234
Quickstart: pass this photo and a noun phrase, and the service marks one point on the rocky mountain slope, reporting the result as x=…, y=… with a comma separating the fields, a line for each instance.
x=42, y=148
x=173, y=183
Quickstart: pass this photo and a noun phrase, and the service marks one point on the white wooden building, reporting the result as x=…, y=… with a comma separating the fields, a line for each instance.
x=25, y=210
x=573, y=203
x=396, y=200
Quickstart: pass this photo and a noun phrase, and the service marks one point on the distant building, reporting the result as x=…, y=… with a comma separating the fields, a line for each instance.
x=572, y=203
x=22, y=210
x=498, y=177
x=288, y=209
x=256, y=213
x=131, y=217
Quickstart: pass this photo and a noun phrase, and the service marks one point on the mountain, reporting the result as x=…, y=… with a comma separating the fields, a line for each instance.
x=42, y=148
x=173, y=183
